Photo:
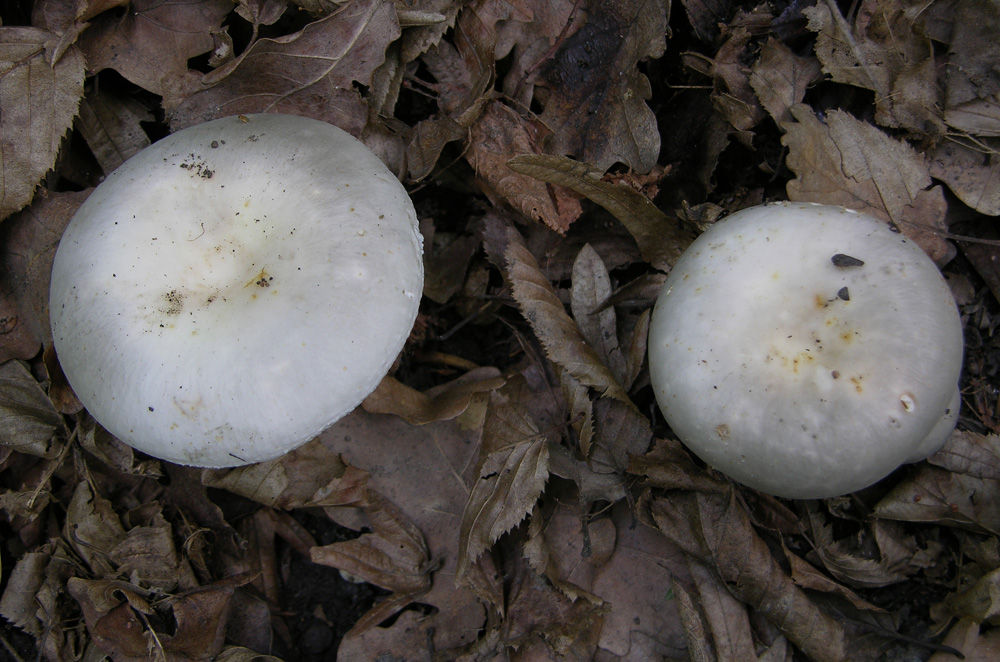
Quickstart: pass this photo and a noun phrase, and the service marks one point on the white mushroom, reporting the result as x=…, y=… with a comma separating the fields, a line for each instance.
x=234, y=289
x=806, y=350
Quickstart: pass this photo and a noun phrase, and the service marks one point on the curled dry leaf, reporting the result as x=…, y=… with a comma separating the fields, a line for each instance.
x=883, y=52
x=110, y=123
x=599, y=326
x=150, y=44
x=28, y=421
x=404, y=462
x=539, y=304
x=660, y=239
x=28, y=243
x=596, y=103
x=780, y=78
x=971, y=170
x=935, y=495
x=440, y=403
x=311, y=72
x=846, y=162
x=40, y=96
x=495, y=138
x=510, y=476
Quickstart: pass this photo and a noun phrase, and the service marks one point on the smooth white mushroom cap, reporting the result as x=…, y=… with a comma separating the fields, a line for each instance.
x=232, y=290
x=794, y=375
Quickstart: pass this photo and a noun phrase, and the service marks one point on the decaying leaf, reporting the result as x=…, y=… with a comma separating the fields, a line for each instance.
x=40, y=95
x=545, y=312
x=660, y=239
x=151, y=43
x=111, y=126
x=310, y=72
x=596, y=107
x=440, y=403
x=591, y=288
x=846, y=162
x=499, y=135
x=935, y=495
x=510, y=475
x=28, y=421
x=780, y=79
x=971, y=171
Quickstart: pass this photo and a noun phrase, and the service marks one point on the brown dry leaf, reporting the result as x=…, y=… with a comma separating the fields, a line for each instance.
x=780, y=78
x=497, y=136
x=596, y=103
x=115, y=612
x=110, y=123
x=629, y=566
x=733, y=95
x=857, y=562
x=150, y=44
x=394, y=556
x=92, y=528
x=714, y=527
x=882, y=52
x=539, y=304
x=28, y=421
x=591, y=288
x=938, y=496
x=853, y=164
x=971, y=454
x=621, y=433
x=707, y=16
x=510, y=475
x=971, y=171
x=28, y=243
x=147, y=555
x=724, y=616
x=976, y=644
x=972, y=94
x=440, y=403
x=404, y=462
x=40, y=96
x=807, y=576
x=980, y=602
x=447, y=257
x=19, y=603
x=304, y=477
x=311, y=72
x=660, y=239
x=241, y=654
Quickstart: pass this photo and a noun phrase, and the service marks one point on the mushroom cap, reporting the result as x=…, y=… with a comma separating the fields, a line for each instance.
x=235, y=288
x=799, y=373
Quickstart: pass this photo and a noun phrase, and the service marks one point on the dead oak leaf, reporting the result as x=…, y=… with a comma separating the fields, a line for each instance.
x=596, y=104
x=850, y=163
x=311, y=72
x=511, y=473
x=40, y=96
x=150, y=44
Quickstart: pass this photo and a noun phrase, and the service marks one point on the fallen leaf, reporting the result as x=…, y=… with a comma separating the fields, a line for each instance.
x=110, y=123
x=972, y=85
x=28, y=421
x=40, y=97
x=311, y=72
x=539, y=304
x=440, y=403
x=28, y=242
x=151, y=43
x=974, y=642
x=591, y=288
x=596, y=106
x=497, y=136
x=934, y=495
x=971, y=454
x=780, y=78
x=850, y=163
x=706, y=16
x=971, y=171
x=881, y=52
x=511, y=473
x=660, y=238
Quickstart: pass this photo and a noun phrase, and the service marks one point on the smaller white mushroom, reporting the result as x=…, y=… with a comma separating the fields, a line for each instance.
x=806, y=350
x=234, y=289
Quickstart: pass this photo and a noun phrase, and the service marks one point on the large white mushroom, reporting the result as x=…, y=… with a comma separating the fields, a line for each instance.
x=806, y=350
x=234, y=289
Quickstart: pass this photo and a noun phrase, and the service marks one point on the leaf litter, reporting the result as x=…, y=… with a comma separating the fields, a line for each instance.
x=510, y=491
